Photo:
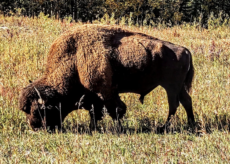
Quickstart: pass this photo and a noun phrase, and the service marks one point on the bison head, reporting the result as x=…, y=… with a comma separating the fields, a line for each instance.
x=41, y=106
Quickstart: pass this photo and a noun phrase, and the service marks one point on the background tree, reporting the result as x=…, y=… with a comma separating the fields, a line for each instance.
x=141, y=11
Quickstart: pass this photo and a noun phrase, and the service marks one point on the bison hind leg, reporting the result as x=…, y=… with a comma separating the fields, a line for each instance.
x=173, y=101
x=186, y=101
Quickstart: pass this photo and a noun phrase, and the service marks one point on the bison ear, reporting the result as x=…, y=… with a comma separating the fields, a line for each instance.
x=40, y=100
x=26, y=110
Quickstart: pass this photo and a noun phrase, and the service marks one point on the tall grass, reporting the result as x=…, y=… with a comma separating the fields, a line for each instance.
x=24, y=44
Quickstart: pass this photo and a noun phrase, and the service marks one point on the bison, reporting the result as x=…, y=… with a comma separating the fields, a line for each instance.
x=91, y=64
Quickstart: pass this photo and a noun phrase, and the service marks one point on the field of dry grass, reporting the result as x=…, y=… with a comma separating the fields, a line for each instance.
x=24, y=44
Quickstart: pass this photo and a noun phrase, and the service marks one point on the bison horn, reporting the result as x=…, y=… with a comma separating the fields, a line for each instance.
x=40, y=100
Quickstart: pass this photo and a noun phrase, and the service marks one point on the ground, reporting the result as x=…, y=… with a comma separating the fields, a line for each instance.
x=24, y=45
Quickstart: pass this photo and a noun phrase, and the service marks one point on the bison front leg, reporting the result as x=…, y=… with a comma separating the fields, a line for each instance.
x=116, y=109
x=93, y=120
x=94, y=105
x=95, y=116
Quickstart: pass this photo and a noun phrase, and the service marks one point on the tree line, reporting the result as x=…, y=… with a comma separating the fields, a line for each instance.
x=174, y=11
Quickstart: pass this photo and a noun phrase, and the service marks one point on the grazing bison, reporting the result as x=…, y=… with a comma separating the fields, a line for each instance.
x=94, y=63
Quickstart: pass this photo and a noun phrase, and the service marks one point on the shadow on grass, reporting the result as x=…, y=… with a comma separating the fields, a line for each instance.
x=146, y=125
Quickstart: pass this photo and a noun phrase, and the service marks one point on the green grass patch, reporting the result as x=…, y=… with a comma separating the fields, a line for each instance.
x=24, y=46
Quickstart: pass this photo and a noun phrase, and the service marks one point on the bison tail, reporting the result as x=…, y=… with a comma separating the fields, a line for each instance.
x=189, y=76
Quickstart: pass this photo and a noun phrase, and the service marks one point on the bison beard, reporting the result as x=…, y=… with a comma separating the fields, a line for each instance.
x=94, y=63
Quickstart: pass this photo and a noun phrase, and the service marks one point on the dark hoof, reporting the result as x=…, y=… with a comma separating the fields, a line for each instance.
x=167, y=128
x=162, y=130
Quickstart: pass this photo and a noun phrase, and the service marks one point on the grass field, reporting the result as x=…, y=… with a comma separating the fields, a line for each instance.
x=24, y=45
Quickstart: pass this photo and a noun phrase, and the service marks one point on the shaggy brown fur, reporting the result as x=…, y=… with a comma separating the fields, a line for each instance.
x=99, y=62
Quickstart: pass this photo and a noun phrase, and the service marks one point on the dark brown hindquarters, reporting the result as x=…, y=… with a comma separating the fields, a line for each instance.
x=179, y=91
x=184, y=97
x=189, y=77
